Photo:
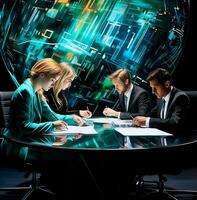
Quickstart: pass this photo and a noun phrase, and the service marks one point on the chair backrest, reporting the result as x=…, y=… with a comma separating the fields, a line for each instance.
x=5, y=100
x=193, y=111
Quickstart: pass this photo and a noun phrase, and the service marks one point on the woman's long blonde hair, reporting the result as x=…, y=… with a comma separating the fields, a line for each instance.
x=49, y=67
x=67, y=72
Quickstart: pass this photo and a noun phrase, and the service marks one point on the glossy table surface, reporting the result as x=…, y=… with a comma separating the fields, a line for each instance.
x=108, y=147
x=108, y=138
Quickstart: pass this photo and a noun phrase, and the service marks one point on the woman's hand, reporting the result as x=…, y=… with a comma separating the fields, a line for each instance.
x=59, y=125
x=85, y=113
x=77, y=136
x=78, y=119
x=60, y=140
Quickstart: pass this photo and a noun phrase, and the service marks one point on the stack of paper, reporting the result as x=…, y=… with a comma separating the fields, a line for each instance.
x=86, y=130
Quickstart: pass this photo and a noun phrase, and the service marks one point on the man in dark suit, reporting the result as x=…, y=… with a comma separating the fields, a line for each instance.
x=172, y=109
x=133, y=100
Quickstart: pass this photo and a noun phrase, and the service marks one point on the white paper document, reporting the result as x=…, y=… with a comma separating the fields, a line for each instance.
x=86, y=130
x=122, y=123
x=138, y=131
x=104, y=120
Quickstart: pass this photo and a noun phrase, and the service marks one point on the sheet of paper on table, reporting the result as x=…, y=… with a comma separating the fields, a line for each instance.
x=122, y=123
x=86, y=130
x=104, y=120
x=138, y=131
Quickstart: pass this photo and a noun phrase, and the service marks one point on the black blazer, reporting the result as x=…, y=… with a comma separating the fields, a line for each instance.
x=139, y=103
x=176, y=115
x=55, y=106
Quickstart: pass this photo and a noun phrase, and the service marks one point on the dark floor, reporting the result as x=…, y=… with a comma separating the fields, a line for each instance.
x=186, y=180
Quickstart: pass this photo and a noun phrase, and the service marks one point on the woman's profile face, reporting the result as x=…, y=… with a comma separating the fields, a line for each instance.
x=48, y=82
x=67, y=82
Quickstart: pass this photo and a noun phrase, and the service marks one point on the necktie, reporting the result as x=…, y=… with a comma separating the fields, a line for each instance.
x=125, y=101
x=163, y=109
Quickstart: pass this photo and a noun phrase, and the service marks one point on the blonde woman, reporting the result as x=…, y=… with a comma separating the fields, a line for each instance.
x=56, y=97
x=29, y=108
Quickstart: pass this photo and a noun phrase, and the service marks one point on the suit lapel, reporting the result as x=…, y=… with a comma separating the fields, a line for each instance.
x=173, y=92
x=37, y=105
x=36, y=102
x=132, y=97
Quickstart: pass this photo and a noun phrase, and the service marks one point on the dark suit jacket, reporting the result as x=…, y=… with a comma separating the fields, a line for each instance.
x=176, y=115
x=139, y=103
x=55, y=106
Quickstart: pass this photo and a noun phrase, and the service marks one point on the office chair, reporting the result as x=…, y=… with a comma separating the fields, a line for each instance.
x=157, y=188
x=153, y=189
x=193, y=110
x=5, y=100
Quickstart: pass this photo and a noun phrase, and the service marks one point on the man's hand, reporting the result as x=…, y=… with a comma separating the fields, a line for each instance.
x=110, y=112
x=139, y=121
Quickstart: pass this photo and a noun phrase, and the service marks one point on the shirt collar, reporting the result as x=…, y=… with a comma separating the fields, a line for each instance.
x=167, y=97
x=128, y=93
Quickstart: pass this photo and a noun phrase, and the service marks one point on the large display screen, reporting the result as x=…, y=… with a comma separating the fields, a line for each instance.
x=96, y=37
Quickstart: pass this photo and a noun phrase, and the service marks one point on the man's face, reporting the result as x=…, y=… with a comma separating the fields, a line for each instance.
x=120, y=86
x=160, y=90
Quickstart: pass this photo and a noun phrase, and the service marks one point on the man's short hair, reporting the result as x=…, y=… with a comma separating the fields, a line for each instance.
x=122, y=74
x=159, y=74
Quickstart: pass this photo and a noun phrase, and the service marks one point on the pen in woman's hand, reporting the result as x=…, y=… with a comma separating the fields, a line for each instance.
x=65, y=128
x=89, y=113
x=60, y=125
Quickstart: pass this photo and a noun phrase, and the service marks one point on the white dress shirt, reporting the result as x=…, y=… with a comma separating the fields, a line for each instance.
x=128, y=95
x=127, y=142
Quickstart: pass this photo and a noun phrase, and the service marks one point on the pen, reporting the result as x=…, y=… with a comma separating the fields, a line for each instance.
x=87, y=108
x=65, y=128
